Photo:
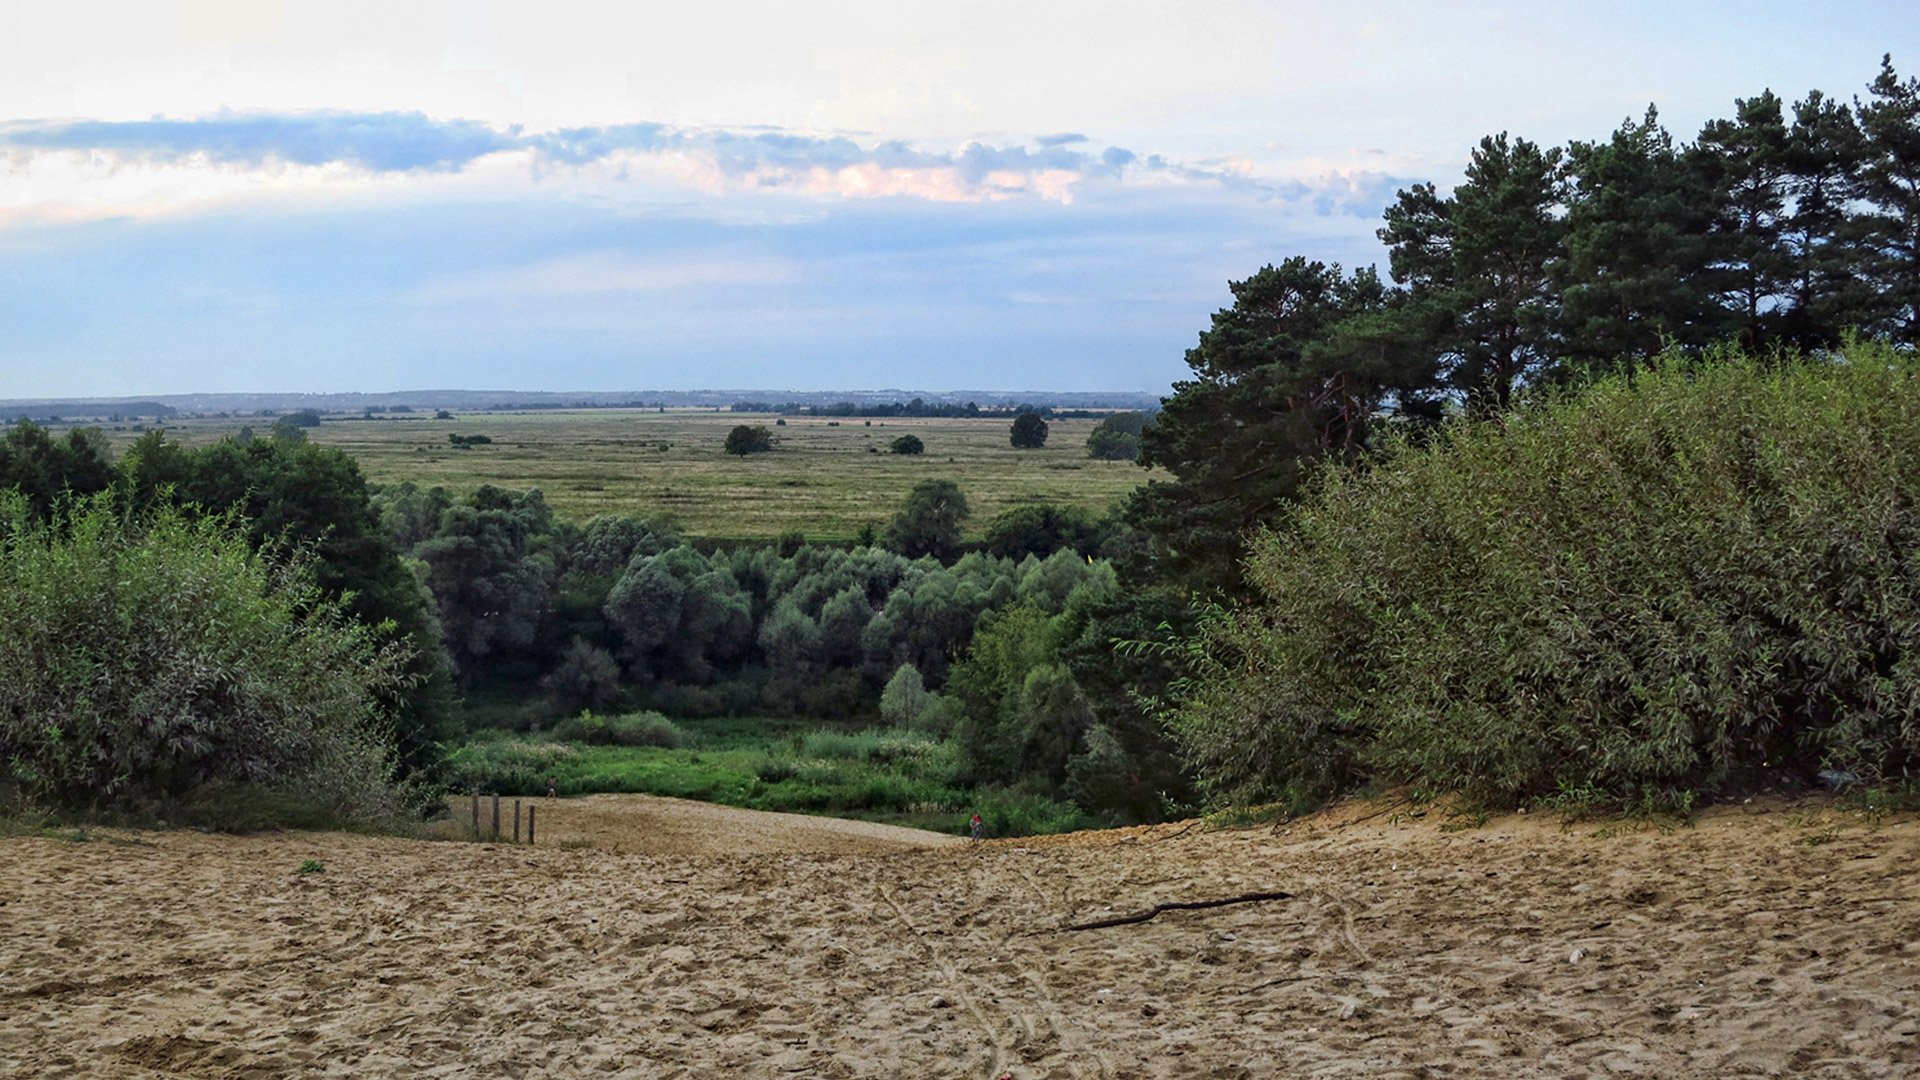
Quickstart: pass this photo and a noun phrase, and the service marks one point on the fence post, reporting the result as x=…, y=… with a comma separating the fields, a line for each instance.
x=531, y=811
x=476, y=813
x=516, y=821
x=496, y=815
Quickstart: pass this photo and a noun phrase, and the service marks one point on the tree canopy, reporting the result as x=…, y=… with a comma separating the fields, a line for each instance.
x=1029, y=431
x=747, y=439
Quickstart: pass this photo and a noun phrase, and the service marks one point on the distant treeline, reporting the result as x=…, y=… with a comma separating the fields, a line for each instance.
x=918, y=407
x=93, y=410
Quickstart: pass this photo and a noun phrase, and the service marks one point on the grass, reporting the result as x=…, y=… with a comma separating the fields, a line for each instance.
x=781, y=765
x=819, y=480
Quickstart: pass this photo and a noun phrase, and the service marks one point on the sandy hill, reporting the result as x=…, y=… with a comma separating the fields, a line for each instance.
x=1765, y=940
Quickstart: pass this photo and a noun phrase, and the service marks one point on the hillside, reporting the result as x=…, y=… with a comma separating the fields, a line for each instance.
x=1767, y=940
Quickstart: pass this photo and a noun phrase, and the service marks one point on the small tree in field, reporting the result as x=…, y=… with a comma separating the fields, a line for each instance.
x=929, y=521
x=749, y=439
x=908, y=444
x=1029, y=431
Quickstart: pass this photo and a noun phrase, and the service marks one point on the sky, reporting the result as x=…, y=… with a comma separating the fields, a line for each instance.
x=1032, y=195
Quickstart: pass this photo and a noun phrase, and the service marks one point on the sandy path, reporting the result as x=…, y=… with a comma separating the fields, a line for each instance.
x=650, y=825
x=1778, y=943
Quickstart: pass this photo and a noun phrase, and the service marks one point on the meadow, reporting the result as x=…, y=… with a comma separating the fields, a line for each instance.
x=791, y=765
x=820, y=479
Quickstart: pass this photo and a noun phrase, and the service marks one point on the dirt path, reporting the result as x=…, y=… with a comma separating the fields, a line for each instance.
x=650, y=825
x=1776, y=943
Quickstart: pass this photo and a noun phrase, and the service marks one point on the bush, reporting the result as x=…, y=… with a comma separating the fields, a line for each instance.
x=1649, y=589
x=143, y=660
x=907, y=444
x=506, y=767
x=633, y=729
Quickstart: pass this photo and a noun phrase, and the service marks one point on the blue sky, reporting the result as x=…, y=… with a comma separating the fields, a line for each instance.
x=357, y=196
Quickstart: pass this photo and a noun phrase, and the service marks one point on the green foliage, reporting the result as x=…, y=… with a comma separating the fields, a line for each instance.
x=315, y=498
x=312, y=866
x=1041, y=531
x=587, y=677
x=1029, y=431
x=143, y=659
x=631, y=729
x=1284, y=379
x=930, y=520
x=1647, y=590
x=44, y=469
x=907, y=444
x=469, y=440
x=747, y=439
x=1118, y=437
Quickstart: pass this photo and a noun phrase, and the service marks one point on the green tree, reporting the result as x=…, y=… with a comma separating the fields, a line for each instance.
x=1633, y=276
x=315, y=497
x=1821, y=234
x=930, y=520
x=1029, y=431
x=1041, y=531
x=1476, y=264
x=1746, y=166
x=747, y=439
x=1888, y=181
x=908, y=444
x=492, y=585
x=44, y=469
x=1117, y=438
x=1294, y=373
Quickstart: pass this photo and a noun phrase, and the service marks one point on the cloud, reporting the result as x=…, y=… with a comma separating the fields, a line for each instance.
x=376, y=142
x=716, y=160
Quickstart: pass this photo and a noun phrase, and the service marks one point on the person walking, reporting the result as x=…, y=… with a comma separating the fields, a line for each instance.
x=975, y=827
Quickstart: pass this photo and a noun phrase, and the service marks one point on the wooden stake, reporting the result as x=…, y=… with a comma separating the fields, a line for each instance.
x=476, y=813
x=496, y=815
x=516, y=821
x=531, y=811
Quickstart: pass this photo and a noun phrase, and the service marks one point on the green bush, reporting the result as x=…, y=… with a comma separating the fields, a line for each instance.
x=507, y=766
x=1647, y=589
x=633, y=729
x=145, y=659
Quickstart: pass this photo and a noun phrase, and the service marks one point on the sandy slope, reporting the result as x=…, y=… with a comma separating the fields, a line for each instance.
x=1735, y=947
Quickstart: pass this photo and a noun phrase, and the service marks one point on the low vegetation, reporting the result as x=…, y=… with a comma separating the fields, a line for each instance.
x=160, y=665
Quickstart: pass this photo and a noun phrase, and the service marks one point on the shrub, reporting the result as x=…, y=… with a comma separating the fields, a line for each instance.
x=907, y=444
x=1641, y=591
x=506, y=766
x=633, y=729
x=144, y=659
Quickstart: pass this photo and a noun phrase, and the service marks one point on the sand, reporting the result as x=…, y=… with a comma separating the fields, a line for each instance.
x=1764, y=940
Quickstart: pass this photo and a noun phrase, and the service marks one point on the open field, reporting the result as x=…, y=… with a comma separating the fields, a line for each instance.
x=820, y=480
x=1766, y=940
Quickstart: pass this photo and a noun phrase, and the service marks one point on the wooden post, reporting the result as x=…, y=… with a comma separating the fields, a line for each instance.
x=531, y=811
x=496, y=815
x=516, y=821
x=476, y=813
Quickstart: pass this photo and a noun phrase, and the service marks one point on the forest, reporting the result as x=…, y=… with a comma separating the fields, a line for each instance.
x=1603, y=493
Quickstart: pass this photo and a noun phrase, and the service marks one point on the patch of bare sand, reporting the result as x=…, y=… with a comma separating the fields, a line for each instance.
x=651, y=825
x=1778, y=943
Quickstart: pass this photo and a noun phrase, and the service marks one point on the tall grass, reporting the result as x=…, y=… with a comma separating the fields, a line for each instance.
x=1651, y=588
